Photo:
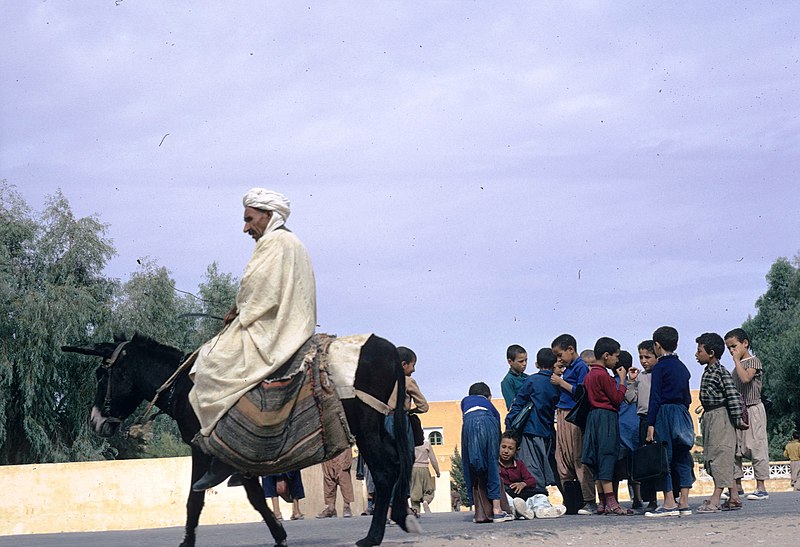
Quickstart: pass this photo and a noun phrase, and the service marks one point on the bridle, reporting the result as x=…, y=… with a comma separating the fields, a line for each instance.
x=107, y=366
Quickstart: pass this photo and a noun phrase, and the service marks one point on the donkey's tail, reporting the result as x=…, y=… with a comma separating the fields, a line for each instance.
x=402, y=430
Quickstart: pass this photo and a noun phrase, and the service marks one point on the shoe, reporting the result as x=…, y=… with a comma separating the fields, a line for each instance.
x=618, y=510
x=708, y=508
x=522, y=509
x=758, y=495
x=502, y=516
x=217, y=472
x=301, y=516
x=551, y=512
x=327, y=513
x=731, y=505
x=663, y=512
x=236, y=480
x=685, y=511
x=725, y=495
x=637, y=504
x=346, y=512
x=589, y=508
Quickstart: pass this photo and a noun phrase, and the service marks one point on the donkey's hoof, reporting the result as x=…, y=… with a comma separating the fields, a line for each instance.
x=412, y=525
x=281, y=543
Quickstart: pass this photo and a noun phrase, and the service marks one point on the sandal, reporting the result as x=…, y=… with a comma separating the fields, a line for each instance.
x=618, y=510
x=601, y=508
x=708, y=508
x=731, y=505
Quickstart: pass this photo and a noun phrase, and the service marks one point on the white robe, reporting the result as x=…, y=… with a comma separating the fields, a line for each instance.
x=277, y=314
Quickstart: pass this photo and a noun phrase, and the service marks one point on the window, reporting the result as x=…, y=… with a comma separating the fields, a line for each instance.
x=436, y=438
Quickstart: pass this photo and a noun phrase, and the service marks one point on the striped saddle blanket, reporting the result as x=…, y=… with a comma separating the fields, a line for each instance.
x=289, y=421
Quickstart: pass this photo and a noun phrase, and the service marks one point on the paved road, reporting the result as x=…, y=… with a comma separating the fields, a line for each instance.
x=769, y=523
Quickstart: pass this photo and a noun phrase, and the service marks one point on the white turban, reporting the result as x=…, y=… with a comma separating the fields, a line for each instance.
x=267, y=200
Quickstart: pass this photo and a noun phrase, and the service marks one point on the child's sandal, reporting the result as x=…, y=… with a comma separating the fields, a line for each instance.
x=619, y=511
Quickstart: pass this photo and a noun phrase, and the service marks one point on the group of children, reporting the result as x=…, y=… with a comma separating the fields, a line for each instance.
x=507, y=474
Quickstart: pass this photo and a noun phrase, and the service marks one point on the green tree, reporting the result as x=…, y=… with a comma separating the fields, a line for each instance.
x=775, y=334
x=52, y=292
x=217, y=295
x=457, y=481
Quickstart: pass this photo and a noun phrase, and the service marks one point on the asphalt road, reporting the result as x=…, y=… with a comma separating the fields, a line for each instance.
x=778, y=517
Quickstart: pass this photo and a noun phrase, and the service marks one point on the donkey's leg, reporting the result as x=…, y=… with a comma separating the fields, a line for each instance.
x=196, y=500
x=255, y=494
x=383, y=478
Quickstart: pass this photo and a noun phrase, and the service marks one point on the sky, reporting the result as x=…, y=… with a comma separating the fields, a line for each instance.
x=465, y=175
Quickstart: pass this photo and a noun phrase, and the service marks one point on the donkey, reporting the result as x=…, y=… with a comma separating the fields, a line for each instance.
x=133, y=371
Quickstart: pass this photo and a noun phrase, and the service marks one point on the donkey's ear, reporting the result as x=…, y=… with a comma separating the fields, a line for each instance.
x=104, y=349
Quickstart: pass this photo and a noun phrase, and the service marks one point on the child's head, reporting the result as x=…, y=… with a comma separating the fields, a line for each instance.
x=508, y=447
x=558, y=368
x=625, y=360
x=545, y=359
x=564, y=348
x=710, y=347
x=588, y=356
x=517, y=358
x=796, y=435
x=738, y=343
x=647, y=355
x=480, y=388
x=665, y=340
x=408, y=359
x=606, y=352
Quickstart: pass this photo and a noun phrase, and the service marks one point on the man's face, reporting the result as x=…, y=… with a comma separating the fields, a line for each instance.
x=409, y=368
x=255, y=222
x=519, y=363
x=565, y=356
x=702, y=355
x=508, y=449
x=737, y=348
x=647, y=359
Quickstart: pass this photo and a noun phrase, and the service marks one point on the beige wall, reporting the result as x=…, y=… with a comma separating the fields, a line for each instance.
x=135, y=494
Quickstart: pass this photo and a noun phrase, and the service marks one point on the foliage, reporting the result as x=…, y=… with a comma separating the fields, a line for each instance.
x=53, y=292
x=457, y=481
x=775, y=335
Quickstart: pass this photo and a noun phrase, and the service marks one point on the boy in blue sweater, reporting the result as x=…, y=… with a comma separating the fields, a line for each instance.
x=668, y=420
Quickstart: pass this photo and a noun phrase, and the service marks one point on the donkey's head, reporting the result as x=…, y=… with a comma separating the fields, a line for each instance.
x=123, y=381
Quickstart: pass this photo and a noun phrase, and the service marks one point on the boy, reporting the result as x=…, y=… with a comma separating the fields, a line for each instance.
x=722, y=415
x=752, y=443
x=792, y=451
x=521, y=487
x=569, y=437
x=628, y=433
x=641, y=395
x=537, y=436
x=668, y=420
x=601, y=442
x=517, y=361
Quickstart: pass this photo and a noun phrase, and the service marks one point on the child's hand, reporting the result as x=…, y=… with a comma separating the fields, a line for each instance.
x=651, y=433
x=517, y=487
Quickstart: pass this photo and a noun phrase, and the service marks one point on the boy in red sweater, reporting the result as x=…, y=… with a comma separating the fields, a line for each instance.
x=528, y=499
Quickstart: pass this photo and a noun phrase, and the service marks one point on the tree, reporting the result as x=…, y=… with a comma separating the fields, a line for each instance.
x=457, y=481
x=775, y=336
x=52, y=292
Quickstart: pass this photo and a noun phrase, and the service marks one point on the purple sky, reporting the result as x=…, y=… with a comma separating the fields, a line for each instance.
x=465, y=175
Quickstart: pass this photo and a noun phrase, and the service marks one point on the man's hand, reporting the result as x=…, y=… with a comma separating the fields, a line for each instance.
x=651, y=433
x=231, y=315
x=517, y=487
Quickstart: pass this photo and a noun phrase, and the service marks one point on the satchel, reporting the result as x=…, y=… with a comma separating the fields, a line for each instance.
x=577, y=416
x=283, y=488
x=517, y=425
x=649, y=462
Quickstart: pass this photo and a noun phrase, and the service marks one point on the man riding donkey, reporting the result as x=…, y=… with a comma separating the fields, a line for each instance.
x=274, y=315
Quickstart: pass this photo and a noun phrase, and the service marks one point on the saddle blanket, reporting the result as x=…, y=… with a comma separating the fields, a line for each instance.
x=295, y=418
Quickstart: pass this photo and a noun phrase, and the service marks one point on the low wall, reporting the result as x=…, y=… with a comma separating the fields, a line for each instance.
x=136, y=494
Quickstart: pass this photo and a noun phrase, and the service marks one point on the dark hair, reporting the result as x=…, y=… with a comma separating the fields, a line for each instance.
x=588, y=354
x=508, y=434
x=647, y=345
x=514, y=350
x=406, y=355
x=564, y=341
x=480, y=388
x=667, y=338
x=796, y=435
x=545, y=358
x=625, y=359
x=713, y=343
x=605, y=345
x=740, y=335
